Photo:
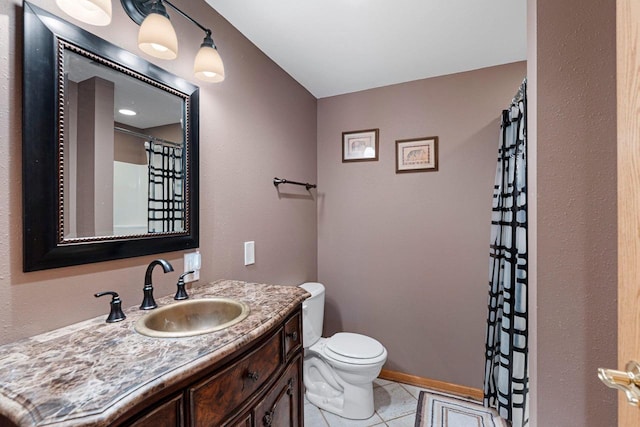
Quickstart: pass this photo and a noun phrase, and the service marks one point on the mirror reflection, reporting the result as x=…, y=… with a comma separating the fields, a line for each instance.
x=122, y=153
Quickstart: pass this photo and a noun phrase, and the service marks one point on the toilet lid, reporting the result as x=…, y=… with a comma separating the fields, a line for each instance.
x=354, y=346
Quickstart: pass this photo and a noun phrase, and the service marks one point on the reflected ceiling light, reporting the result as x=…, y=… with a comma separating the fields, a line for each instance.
x=158, y=38
x=127, y=112
x=94, y=12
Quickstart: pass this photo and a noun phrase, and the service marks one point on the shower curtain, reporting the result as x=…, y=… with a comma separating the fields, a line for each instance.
x=166, y=188
x=506, y=379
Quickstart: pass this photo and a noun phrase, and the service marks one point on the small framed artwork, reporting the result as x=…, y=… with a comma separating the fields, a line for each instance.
x=360, y=146
x=417, y=155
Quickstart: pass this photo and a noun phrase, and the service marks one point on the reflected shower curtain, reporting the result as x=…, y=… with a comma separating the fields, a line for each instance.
x=166, y=189
x=506, y=379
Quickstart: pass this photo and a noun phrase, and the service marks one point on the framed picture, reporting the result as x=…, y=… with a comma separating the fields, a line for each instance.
x=417, y=155
x=360, y=146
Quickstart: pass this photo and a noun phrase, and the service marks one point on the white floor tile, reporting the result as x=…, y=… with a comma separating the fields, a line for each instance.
x=380, y=382
x=413, y=390
x=395, y=406
x=406, y=421
x=336, y=421
x=313, y=417
x=393, y=401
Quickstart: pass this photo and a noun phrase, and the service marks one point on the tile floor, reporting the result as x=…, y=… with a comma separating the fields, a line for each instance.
x=395, y=405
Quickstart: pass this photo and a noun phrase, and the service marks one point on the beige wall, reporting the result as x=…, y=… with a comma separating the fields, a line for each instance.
x=128, y=148
x=257, y=124
x=574, y=286
x=131, y=149
x=405, y=257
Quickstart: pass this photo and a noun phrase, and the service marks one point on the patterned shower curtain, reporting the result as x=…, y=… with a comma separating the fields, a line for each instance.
x=166, y=188
x=506, y=379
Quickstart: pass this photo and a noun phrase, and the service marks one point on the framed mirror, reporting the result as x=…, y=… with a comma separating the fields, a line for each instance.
x=110, y=150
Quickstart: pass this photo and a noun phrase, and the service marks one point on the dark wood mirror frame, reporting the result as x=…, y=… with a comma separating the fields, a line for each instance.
x=42, y=133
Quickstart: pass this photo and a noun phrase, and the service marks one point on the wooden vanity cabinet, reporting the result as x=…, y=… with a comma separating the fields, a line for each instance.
x=245, y=420
x=167, y=414
x=260, y=387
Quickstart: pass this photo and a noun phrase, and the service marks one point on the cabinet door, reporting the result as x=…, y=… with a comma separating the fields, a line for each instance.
x=281, y=406
x=167, y=414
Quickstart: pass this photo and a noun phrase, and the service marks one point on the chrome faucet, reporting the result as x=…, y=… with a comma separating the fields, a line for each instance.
x=148, y=302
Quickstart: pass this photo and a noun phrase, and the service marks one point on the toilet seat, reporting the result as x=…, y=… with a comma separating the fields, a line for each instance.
x=354, y=349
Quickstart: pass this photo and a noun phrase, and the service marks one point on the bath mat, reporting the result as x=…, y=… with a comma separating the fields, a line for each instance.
x=440, y=410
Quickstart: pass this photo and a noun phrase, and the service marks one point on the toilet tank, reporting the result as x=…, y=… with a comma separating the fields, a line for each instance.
x=312, y=313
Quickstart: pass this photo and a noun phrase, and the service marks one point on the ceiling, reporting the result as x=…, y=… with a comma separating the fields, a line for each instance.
x=153, y=106
x=333, y=47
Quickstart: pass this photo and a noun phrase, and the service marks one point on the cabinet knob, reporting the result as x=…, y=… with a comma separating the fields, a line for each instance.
x=253, y=376
x=267, y=419
x=293, y=335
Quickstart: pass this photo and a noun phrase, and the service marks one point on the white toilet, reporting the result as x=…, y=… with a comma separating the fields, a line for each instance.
x=338, y=371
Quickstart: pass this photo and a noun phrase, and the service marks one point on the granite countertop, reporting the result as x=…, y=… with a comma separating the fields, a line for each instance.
x=91, y=372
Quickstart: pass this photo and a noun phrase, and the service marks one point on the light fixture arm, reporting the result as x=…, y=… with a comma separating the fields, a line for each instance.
x=208, y=40
x=139, y=9
x=174, y=7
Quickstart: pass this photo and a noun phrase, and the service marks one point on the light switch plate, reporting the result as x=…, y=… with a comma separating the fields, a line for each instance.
x=249, y=253
x=192, y=262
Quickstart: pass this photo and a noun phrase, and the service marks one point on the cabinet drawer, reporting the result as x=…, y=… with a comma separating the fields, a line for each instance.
x=211, y=400
x=292, y=334
x=167, y=414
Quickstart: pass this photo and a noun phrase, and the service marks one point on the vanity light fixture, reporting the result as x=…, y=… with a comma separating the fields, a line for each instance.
x=208, y=64
x=94, y=12
x=158, y=38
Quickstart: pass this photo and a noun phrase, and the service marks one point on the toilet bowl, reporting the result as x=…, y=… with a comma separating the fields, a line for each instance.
x=338, y=371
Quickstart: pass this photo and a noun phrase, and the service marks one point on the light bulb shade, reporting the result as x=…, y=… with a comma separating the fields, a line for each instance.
x=208, y=65
x=157, y=37
x=94, y=12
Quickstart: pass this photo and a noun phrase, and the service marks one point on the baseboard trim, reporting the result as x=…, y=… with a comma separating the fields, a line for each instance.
x=459, y=390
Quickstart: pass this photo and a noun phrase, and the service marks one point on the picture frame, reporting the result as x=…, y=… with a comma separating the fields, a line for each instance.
x=417, y=154
x=360, y=145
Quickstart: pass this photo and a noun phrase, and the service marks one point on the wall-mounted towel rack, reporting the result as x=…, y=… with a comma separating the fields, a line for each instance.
x=278, y=181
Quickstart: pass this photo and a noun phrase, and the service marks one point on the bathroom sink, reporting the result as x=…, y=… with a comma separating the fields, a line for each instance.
x=192, y=317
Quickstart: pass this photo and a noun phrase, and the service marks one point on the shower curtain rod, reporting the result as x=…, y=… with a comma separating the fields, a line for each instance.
x=149, y=137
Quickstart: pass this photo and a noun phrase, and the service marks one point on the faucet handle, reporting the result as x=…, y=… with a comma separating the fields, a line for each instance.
x=116, y=314
x=181, y=293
